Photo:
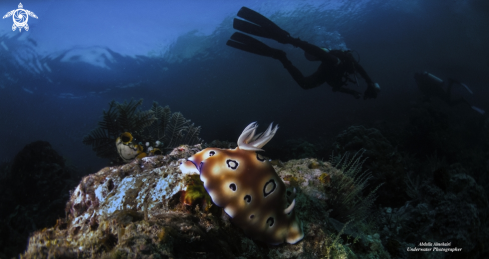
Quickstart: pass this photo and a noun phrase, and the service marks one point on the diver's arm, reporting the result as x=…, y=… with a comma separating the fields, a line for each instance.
x=372, y=88
x=359, y=69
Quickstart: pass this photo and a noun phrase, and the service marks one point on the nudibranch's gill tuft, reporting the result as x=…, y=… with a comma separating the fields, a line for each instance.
x=248, y=140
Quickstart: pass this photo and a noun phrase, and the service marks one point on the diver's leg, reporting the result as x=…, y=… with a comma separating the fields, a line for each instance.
x=314, y=50
x=309, y=82
x=295, y=73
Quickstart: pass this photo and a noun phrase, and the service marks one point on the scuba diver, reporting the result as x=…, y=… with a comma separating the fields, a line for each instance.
x=336, y=65
x=432, y=86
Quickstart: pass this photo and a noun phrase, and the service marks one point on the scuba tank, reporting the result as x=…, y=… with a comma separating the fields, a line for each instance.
x=429, y=84
x=433, y=78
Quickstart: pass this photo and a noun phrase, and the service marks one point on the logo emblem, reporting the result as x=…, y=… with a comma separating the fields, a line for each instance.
x=20, y=17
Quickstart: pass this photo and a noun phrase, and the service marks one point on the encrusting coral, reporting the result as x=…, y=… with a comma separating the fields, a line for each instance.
x=157, y=129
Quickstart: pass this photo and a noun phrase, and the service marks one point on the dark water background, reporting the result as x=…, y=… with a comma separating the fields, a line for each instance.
x=51, y=90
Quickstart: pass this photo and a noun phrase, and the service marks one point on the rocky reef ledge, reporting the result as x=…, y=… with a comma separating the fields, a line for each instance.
x=149, y=209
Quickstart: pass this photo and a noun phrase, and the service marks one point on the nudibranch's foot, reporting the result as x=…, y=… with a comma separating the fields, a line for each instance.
x=295, y=232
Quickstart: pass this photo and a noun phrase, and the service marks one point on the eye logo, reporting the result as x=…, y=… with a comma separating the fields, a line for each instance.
x=20, y=17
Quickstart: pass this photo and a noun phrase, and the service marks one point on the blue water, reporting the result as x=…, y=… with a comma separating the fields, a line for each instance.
x=58, y=77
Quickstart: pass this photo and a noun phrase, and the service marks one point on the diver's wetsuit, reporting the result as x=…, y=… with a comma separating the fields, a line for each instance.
x=335, y=68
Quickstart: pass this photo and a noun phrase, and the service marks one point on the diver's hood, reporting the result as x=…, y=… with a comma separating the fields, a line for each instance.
x=312, y=57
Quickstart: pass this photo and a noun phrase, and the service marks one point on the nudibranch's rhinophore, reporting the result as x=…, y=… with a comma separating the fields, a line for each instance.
x=248, y=188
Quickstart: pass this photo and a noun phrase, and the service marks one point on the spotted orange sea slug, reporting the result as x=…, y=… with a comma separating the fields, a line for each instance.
x=248, y=188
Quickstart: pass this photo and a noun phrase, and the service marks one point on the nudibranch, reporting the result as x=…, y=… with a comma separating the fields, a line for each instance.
x=245, y=184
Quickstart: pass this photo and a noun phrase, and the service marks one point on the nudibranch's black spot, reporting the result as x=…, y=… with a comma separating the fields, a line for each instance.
x=260, y=157
x=252, y=216
x=269, y=187
x=232, y=187
x=233, y=164
x=212, y=153
x=247, y=198
x=270, y=221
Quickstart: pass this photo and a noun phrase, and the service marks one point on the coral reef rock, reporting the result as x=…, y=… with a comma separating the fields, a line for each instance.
x=142, y=210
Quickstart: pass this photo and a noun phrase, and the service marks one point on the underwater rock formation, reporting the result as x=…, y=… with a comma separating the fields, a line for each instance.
x=300, y=148
x=430, y=127
x=34, y=189
x=383, y=160
x=438, y=131
x=450, y=207
x=155, y=128
x=36, y=162
x=150, y=209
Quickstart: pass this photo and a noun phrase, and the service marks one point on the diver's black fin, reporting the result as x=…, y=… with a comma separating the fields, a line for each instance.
x=259, y=25
x=249, y=44
x=251, y=28
x=255, y=17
